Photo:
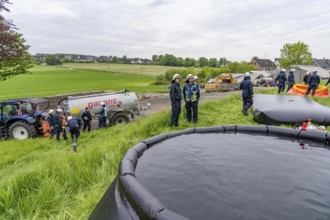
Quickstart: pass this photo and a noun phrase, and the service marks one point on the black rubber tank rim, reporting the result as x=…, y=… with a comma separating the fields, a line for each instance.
x=146, y=205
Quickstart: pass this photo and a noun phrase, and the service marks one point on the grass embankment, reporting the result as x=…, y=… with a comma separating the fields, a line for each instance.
x=43, y=179
x=46, y=81
x=151, y=70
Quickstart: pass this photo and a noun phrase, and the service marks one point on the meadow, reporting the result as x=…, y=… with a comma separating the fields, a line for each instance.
x=47, y=81
x=43, y=179
x=150, y=70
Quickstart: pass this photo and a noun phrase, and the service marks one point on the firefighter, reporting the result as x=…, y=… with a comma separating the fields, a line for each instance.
x=64, y=124
x=74, y=126
x=103, y=115
x=56, y=124
x=50, y=120
x=306, y=77
x=313, y=83
x=291, y=80
x=87, y=118
x=176, y=97
x=280, y=80
x=247, y=93
x=191, y=97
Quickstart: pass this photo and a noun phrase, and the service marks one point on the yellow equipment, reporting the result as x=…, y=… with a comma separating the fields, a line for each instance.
x=224, y=82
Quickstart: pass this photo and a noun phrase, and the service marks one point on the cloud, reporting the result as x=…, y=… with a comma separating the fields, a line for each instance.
x=237, y=30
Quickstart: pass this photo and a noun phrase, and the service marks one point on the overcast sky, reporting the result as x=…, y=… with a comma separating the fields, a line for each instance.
x=237, y=30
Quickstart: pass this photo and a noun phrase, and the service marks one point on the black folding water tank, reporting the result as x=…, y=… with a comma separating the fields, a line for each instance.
x=226, y=172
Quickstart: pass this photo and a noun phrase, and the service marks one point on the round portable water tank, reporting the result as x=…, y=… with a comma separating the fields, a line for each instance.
x=226, y=172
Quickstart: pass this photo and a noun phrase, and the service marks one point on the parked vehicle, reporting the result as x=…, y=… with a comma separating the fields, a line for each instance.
x=121, y=105
x=21, y=118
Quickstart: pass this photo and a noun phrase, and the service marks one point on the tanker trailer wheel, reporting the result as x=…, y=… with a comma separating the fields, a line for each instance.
x=120, y=119
x=21, y=130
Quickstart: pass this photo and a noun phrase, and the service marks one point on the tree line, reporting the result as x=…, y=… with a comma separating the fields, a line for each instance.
x=171, y=60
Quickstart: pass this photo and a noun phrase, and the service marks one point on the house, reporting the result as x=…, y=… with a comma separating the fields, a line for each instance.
x=301, y=71
x=263, y=64
x=322, y=63
x=103, y=59
x=135, y=61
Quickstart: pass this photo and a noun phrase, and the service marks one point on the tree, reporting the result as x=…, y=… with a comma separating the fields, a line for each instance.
x=296, y=53
x=14, y=56
x=114, y=59
x=168, y=60
x=52, y=60
x=180, y=61
x=213, y=62
x=124, y=59
x=155, y=59
x=203, y=61
x=188, y=62
x=223, y=62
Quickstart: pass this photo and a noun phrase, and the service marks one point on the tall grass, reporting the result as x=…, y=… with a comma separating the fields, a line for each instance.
x=43, y=179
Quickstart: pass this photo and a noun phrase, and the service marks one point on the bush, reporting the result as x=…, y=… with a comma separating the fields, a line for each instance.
x=182, y=72
x=160, y=80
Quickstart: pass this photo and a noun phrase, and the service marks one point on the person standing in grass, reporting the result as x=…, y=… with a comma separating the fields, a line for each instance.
x=247, y=93
x=280, y=80
x=64, y=124
x=176, y=98
x=191, y=97
x=291, y=80
x=74, y=126
x=313, y=83
x=87, y=118
x=103, y=115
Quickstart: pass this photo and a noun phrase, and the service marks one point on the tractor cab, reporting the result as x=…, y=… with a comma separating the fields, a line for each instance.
x=20, y=118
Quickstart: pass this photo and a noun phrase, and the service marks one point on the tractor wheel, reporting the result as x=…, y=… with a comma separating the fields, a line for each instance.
x=21, y=130
x=120, y=119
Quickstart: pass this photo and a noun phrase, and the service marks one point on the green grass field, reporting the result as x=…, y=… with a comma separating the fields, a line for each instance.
x=43, y=179
x=46, y=81
x=151, y=70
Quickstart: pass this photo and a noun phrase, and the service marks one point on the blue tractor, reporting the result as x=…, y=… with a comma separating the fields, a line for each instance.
x=21, y=118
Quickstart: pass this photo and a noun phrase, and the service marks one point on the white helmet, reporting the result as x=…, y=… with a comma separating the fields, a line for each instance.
x=59, y=110
x=190, y=76
x=283, y=70
x=247, y=74
x=307, y=73
x=292, y=70
x=176, y=76
x=195, y=77
x=314, y=71
x=51, y=111
x=102, y=103
x=69, y=118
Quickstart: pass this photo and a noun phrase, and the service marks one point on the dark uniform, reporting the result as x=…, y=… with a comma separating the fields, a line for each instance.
x=56, y=123
x=191, y=96
x=247, y=93
x=176, y=97
x=74, y=126
x=291, y=81
x=281, y=79
x=313, y=83
x=306, y=78
x=87, y=118
x=103, y=115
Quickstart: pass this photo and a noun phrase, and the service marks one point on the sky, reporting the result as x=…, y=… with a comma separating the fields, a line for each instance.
x=237, y=30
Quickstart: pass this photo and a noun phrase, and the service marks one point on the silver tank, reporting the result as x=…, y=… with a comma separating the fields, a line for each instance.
x=125, y=102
